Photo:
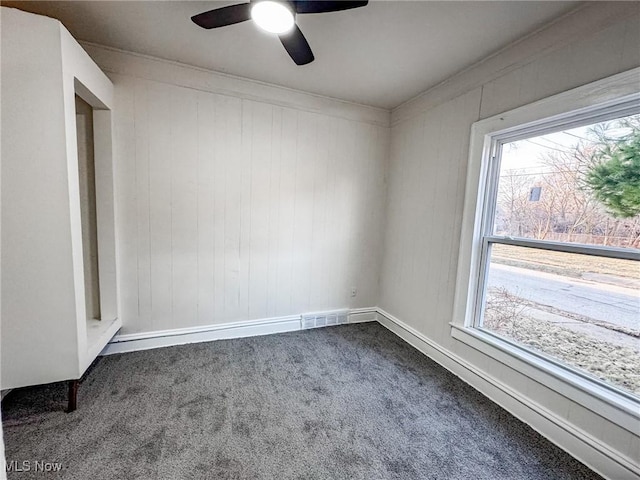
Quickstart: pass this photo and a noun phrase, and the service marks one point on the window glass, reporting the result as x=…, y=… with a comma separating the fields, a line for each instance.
x=580, y=185
x=579, y=309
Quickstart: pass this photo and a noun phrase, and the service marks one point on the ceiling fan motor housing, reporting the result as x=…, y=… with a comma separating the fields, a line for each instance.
x=273, y=16
x=276, y=16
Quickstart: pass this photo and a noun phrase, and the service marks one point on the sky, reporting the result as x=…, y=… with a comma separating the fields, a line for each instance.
x=524, y=155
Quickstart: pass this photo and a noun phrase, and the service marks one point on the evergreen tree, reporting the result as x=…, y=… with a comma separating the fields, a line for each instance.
x=614, y=177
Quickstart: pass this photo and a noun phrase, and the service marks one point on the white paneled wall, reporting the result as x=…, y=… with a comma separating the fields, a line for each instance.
x=424, y=212
x=427, y=172
x=235, y=209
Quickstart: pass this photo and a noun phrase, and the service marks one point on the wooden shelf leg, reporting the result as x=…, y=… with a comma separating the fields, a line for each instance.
x=73, y=395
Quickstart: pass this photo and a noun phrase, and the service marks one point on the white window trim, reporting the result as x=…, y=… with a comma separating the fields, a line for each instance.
x=612, y=97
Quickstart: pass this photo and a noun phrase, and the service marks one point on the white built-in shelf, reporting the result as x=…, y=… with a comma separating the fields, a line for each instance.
x=99, y=332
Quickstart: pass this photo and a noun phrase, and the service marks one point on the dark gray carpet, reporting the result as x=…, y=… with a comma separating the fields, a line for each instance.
x=347, y=402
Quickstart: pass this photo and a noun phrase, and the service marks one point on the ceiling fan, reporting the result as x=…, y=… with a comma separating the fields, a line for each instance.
x=275, y=17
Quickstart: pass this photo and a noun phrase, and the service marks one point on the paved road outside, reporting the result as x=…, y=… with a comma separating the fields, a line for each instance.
x=606, y=303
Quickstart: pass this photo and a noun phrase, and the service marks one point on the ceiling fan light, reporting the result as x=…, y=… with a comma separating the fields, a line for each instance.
x=274, y=17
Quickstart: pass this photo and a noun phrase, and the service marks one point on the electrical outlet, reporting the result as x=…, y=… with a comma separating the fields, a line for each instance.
x=354, y=291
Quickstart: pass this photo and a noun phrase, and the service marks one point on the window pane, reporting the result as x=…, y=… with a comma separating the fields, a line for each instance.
x=579, y=309
x=579, y=185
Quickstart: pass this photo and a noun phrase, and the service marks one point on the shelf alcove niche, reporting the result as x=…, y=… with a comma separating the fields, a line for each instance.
x=47, y=334
x=95, y=180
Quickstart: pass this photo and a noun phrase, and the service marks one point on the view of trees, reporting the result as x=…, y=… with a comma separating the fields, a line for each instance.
x=588, y=192
x=615, y=176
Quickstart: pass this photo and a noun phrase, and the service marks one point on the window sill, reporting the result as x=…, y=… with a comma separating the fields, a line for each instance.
x=620, y=408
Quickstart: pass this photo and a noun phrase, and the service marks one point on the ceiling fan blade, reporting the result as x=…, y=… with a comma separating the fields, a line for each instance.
x=312, y=6
x=297, y=46
x=221, y=17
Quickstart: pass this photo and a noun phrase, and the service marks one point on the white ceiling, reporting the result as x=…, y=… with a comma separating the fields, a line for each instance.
x=382, y=55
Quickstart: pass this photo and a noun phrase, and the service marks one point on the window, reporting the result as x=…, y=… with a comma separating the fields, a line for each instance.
x=560, y=270
x=549, y=267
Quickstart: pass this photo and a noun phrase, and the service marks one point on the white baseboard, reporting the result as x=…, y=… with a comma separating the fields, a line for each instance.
x=180, y=336
x=360, y=315
x=580, y=444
